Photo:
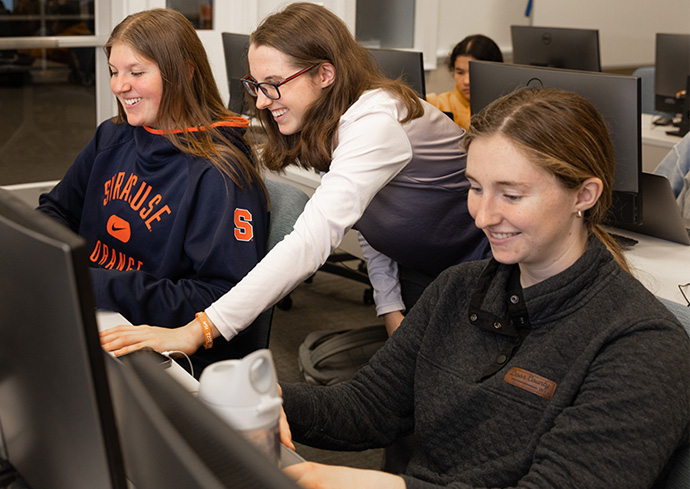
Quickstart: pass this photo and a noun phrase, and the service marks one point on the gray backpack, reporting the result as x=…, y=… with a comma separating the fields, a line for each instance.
x=331, y=357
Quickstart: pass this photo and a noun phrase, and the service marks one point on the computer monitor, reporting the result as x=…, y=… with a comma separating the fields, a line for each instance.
x=616, y=97
x=57, y=421
x=235, y=48
x=399, y=63
x=556, y=47
x=170, y=439
x=74, y=417
x=672, y=75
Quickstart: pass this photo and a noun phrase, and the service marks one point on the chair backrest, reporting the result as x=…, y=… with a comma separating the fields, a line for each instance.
x=287, y=204
x=646, y=75
x=647, y=92
x=679, y=473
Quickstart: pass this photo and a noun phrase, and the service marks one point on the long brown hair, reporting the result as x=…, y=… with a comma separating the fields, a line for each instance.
x=190, y=99
x=311, y=35
x=562, y=133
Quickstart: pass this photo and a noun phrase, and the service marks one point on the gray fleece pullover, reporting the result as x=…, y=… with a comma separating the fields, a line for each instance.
x=589, y=389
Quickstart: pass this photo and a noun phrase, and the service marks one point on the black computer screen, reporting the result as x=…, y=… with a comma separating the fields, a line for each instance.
x=55, y=409
x=408, y=65
x=556, y=47
x=671, y=71
x=74, y=417
x=235, y=47
x=616, y=97
x=172, y=440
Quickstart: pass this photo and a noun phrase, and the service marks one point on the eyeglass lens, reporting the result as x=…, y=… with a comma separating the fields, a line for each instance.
x=268, y=89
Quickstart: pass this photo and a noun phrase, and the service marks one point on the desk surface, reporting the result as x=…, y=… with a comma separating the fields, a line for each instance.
x=109, y=319
x=656, y=135
x=655, y=143
x=659, y=264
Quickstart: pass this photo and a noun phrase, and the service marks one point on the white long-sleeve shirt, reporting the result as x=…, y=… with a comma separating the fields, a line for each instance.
x=401, y=185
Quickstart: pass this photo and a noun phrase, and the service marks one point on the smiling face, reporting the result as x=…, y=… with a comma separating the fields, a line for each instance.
x=137, y=83
x=461, y=74
x=528, y=216
x=267, y=64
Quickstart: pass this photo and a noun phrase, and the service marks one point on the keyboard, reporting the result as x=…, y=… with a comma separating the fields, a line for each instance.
x=623, y=241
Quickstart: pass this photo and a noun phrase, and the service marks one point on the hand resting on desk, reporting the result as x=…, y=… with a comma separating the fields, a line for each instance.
x=124, y=339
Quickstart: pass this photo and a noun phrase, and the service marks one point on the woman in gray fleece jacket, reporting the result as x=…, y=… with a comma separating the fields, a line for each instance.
x=548, y=366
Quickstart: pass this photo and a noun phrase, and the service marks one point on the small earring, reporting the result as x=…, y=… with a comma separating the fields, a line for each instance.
x=579, y=213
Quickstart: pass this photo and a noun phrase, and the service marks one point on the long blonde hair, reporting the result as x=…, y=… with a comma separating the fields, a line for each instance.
x=311, y=35
x=188, y=103
x=562, y=133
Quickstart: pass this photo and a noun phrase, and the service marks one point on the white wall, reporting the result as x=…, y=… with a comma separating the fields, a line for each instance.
x=626, y=27
x=493, y=18
x=240, y=16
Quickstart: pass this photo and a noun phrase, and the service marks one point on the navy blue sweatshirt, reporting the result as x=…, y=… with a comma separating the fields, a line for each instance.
x=167, y=232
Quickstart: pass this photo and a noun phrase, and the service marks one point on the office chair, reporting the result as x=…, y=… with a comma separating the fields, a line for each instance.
x=647, y=93
x=646, y=75
x=679, y=474
x=287, y=203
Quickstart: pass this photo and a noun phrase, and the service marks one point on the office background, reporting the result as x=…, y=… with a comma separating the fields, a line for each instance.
x=46, y=121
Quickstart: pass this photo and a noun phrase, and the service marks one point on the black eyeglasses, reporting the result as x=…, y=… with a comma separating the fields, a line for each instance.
x=269, y=89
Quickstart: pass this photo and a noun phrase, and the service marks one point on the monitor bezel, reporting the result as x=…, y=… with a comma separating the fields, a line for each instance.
x=58, y=424
x=235, y=49
x=170, y=438
x=553, y=47
x=670, y=74
x=491, y=80
x=402, y=63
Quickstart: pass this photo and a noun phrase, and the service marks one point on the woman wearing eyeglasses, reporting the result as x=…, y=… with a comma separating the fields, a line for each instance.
x=392, y=167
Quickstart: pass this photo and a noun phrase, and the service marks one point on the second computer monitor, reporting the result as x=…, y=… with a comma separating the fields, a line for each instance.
x=556, y=47
x=671, y=72
x=398, y=63
x=235, y=47
x=616, y=97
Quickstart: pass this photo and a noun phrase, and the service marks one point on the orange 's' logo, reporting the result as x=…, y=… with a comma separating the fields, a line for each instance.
x=118, y=228
x=244, y=231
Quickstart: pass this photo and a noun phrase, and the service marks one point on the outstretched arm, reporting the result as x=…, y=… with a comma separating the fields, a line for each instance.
x=311, y=475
